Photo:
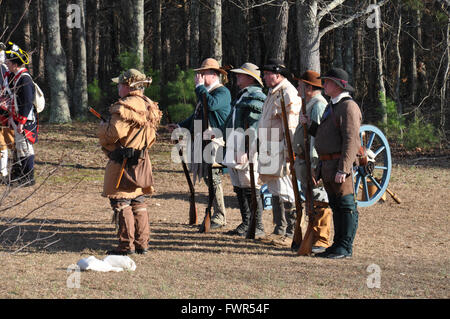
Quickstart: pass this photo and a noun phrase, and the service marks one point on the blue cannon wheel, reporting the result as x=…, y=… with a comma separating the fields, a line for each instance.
x=371, y=180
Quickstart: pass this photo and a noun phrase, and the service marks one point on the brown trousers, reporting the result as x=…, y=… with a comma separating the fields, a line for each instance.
x=134, y=228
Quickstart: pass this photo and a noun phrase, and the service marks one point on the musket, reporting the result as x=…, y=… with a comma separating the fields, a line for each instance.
x=307, y=242
x=97, y=114
x=205, y=227
x=254, y=206
x=124, y=163
x=192, y=207
x=297, y=240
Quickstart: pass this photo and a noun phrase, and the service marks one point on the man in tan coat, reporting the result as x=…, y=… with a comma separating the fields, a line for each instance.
x=132, y=127
x=273, y=155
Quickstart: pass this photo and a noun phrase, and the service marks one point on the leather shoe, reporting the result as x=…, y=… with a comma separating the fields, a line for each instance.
x=120, y=252
x=338, y=256
x=142, y=251
x=317, y=249
x=216, y=226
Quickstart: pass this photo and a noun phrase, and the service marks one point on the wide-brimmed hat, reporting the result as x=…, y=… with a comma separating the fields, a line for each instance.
x=211, y=64
x=14, y=53
x=133, y=78
x=276, y=66
x=310, y=77
x=251, y=70
x=340, y=77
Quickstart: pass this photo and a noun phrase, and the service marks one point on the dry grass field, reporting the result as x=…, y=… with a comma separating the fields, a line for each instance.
x=63, y=218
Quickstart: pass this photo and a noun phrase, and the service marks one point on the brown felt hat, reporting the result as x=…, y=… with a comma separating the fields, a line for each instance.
x=310, y=77
x=211, y=64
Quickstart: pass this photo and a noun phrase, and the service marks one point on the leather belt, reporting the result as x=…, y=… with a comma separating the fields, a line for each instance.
x=329, y=157
x=301, y=156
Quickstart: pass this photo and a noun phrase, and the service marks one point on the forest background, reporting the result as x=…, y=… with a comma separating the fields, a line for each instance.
x=396, y=52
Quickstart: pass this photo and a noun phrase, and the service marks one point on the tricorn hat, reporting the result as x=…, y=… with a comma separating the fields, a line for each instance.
x=211, y=64
x=133, y=78
x=340, y=77
x=15, y=53
x=276, y=66
x=310, y=77
x=251, y=70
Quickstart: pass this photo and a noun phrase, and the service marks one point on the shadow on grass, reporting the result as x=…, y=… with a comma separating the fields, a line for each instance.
x=78, y=236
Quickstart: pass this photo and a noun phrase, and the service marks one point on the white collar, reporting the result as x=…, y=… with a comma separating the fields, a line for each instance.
x=214, y=84
x=336, y=99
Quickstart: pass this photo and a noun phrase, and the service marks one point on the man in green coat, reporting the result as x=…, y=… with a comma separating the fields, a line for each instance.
x=246, y=110
x=218, y=98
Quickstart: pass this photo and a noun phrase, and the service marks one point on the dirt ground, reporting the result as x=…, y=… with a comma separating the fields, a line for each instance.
x=63, y=218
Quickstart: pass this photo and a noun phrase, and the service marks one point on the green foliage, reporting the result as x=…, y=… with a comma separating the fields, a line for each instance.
x=412, y=135
x=181, y=97
x=395, y=122
x=180, y=111
x=128, y=60
x=95, y=94
x=182, y=90
x=420, y=134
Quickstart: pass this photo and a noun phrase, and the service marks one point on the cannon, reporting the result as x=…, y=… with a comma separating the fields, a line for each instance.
x=370, y=180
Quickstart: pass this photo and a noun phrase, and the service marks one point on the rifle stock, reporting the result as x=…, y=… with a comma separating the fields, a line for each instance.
x=192, y=207
x=306, y=246
x=297, y=240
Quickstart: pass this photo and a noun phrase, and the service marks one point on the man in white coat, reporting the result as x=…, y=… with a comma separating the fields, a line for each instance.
x=273, y=168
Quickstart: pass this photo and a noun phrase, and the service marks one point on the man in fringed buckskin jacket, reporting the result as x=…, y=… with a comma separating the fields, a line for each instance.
x=133, y=123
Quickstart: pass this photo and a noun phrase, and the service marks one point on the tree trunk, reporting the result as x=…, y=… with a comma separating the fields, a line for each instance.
x=308, y=35
x=380, y=76
x=413, y=86
x=135, y=30
x=187, y=35
x=25, y=31
x=157, y=45
x=399, y=61
x=80, y=95
x=56, y=66
x=281, y=31
x=194, y=14
x=216, y=30
x=92, y=38
x=445, y=83
x=38, y=40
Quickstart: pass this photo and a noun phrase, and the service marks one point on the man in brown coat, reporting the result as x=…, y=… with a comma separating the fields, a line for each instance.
x=132, y=126
x=337, y=142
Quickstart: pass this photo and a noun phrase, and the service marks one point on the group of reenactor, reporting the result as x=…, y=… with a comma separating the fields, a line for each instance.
x=332, y=137
x=277, y=122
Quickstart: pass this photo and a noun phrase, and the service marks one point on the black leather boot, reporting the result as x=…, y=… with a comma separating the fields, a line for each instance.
x=244, y=207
